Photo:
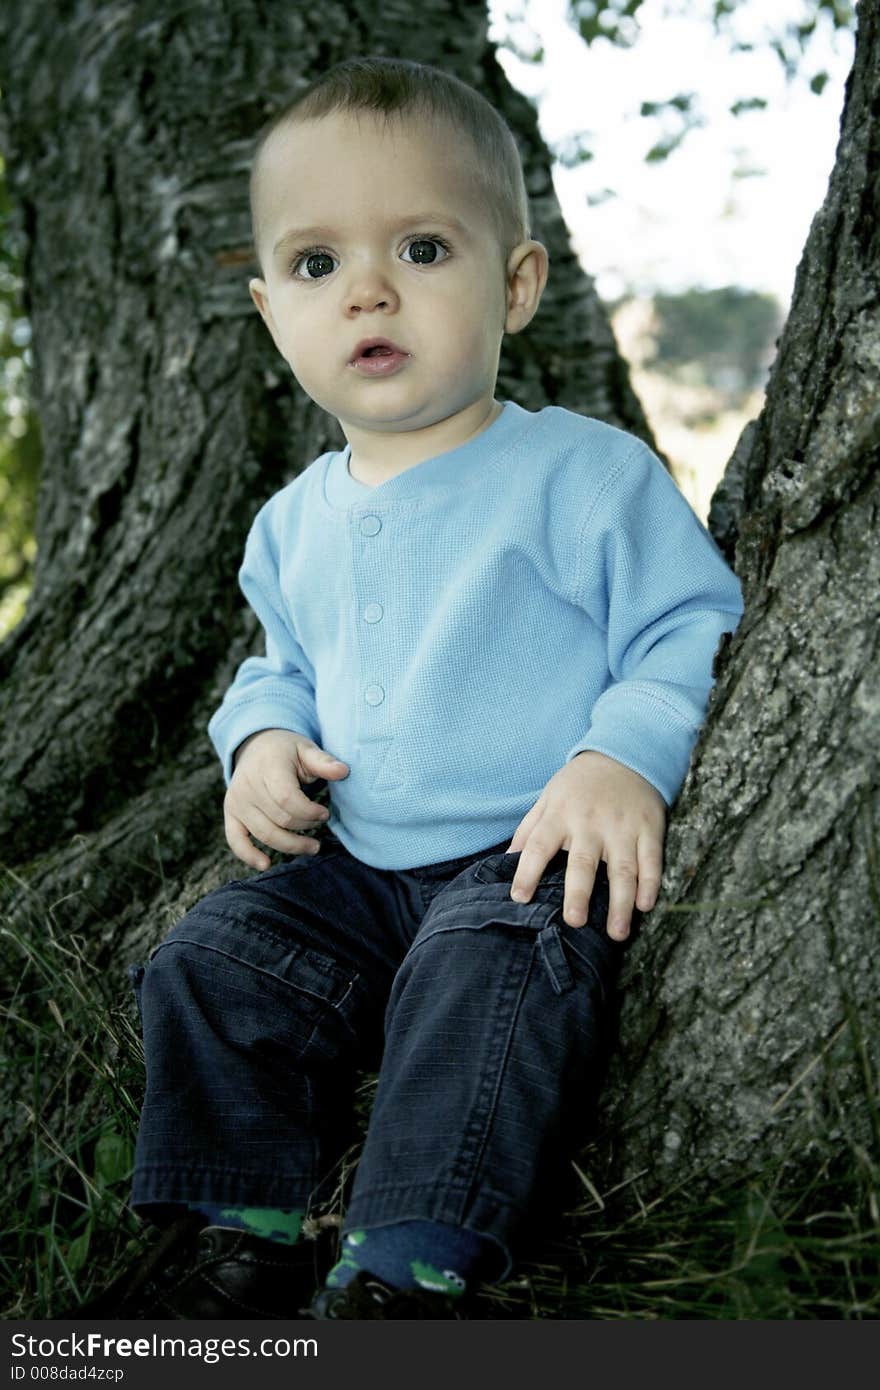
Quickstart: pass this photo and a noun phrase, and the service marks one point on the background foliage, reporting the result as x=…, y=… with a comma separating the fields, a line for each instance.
x=19, y=430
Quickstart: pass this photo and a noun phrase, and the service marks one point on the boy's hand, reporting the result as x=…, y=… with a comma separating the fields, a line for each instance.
x=264, y=798
x=595, y=808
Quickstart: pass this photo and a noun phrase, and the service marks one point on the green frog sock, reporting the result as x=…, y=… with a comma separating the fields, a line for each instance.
x=416, y=1254
x=282, y=1224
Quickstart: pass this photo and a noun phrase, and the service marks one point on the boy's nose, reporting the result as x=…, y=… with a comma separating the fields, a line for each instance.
x=368, y=302
x=369, y=289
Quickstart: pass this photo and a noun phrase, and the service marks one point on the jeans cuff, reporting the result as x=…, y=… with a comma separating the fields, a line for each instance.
x=486, y=1213
x=162, y=1185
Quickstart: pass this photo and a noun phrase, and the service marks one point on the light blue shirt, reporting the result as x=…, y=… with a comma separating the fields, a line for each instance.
x=459, y=632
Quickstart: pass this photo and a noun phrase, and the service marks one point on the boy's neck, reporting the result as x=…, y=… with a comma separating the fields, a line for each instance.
x=375, y=458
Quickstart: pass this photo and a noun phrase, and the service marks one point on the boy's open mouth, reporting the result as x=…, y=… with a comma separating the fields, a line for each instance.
x=378, y=356
x=377, y=347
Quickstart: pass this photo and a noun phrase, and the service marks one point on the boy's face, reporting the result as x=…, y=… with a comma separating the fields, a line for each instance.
x=371, y=232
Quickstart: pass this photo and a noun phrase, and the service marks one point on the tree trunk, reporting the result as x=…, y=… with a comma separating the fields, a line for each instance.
x=749, y=1033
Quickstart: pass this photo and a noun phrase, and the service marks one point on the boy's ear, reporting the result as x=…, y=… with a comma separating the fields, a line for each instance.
x=528, y=266
x=260, y=296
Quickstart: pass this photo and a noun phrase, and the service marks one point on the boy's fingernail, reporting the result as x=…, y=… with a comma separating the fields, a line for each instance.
x=518, y=895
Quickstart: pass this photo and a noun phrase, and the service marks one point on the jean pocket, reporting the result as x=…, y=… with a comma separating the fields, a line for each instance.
x=500, y=868
x=260, y=992
x=563, y=948
x=479, y=897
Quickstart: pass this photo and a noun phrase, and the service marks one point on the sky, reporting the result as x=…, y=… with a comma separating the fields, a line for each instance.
x=704, y=217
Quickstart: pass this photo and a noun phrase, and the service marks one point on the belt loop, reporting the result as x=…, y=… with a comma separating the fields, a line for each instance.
x=553, y=955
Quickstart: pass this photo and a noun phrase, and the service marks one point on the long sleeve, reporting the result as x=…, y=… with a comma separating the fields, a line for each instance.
x=275, y=691
x=659, y=585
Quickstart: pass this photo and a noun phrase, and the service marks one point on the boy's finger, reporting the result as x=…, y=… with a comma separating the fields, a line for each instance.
x=294, y=811
x=532, y=862
x=239, y=842
x=580, y=876
x=285, y=803
x=262, y=828
x=622, y=877
x=524, y=829
x=650, y=874
x=321, y=763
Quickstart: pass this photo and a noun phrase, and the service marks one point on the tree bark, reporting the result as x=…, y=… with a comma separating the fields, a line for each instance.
x=749, y=1035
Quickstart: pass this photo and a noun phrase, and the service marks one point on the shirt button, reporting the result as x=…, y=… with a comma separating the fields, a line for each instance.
x=373, y=612
x=374, y=694
x=370, y=525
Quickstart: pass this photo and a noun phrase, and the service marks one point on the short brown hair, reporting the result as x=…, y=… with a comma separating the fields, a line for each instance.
x=394, y=88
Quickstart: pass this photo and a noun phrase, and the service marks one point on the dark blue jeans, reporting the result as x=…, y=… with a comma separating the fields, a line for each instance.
x=264, y=1003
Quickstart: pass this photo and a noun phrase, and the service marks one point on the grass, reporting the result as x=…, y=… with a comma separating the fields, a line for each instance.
x=70, y=1085
x=70, y=1090
x=755, y=1250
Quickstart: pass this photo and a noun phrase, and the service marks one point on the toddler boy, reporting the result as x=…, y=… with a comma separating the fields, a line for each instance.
x=490, y=633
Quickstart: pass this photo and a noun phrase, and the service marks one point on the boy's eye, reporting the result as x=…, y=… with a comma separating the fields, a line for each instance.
x=425, y=250
x=313, y=265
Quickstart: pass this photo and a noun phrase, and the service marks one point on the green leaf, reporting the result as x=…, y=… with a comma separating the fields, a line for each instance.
x=78, y=1250
x=113, y=1158
x=748, y=104
x=681, y=103
x=760, y=1251
x=664, y=148
x=843, y=14
x=572, y=151
x=818, y=83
